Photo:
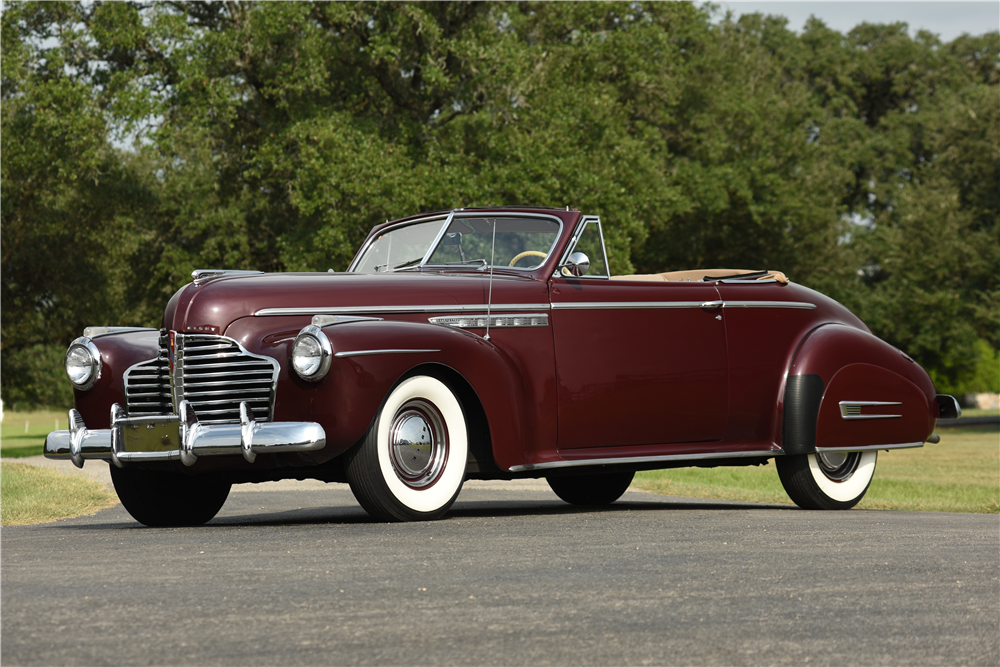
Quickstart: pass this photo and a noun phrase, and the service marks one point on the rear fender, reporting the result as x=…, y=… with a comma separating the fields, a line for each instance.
x=848, y=388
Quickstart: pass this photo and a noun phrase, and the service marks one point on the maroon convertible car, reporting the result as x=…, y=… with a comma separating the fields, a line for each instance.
x=489, y=343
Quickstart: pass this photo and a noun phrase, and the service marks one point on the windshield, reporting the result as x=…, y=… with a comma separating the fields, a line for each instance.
x=521, y=242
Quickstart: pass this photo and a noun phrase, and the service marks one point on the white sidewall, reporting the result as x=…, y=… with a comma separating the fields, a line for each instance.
x=434, y=497
x=850, y=488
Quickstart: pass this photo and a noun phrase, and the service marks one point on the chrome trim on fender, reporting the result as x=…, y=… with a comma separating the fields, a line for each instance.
x=368, y=353
x=520, y=320
x=868, y=448
x=851, y=410
x=195, y=439
x=643, y=459
x=399, y=310
x=329, y=320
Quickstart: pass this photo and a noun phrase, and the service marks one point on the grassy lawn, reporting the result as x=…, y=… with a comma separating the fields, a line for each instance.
x=33, y=495
x=17, y=441
x=960, y=474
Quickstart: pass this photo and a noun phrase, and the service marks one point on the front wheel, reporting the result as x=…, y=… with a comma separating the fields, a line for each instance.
x=160, y=499
x=826, y=480
x=600, y=489
x=411, y=464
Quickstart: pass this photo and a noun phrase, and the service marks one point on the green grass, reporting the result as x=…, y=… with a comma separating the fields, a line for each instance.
x=30, y=495
x=960, y=474
x=16, y=443
x=979, y=412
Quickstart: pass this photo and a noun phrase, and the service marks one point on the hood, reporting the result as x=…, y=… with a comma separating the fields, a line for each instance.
x=213, y=306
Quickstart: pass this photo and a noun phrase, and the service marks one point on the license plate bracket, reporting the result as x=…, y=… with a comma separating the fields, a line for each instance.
x=151, y=437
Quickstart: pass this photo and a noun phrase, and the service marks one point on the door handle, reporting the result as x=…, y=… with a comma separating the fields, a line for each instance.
x=713, y=305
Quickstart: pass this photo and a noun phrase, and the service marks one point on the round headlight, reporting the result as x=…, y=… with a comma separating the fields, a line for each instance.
x=311, y=353
x=83, y=363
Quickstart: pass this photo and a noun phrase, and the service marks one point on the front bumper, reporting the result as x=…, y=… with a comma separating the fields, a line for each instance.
x=193, y=439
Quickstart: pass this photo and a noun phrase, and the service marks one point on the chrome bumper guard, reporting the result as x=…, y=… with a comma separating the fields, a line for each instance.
x=248, y=438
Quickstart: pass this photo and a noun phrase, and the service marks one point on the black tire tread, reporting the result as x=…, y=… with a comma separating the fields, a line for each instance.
x=160, y=499
x=591, y=490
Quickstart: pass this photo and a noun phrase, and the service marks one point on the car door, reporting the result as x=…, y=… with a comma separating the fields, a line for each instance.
x=638, y=362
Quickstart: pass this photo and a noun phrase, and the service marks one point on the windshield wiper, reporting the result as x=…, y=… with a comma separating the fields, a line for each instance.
x=412, y=262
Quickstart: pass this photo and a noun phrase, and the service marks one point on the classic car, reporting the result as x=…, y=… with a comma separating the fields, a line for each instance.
x=487, y=343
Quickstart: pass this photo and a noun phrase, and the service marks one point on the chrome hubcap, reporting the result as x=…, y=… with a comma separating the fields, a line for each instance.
x=418, y=444
x=838, y=466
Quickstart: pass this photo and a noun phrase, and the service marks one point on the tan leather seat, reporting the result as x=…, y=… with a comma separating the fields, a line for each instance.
x=698, y=274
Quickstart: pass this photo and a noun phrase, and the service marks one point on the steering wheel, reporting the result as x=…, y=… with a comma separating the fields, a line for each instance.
x=527, y=253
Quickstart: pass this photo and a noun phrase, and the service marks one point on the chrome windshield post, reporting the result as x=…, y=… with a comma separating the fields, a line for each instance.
x=437, y=239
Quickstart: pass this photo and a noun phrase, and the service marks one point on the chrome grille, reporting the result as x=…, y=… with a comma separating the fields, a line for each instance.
x=213, y=373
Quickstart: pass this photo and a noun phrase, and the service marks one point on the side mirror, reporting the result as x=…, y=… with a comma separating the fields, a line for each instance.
x=577, y=265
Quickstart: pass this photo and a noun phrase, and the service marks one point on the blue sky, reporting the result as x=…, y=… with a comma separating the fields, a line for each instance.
x=946, y=19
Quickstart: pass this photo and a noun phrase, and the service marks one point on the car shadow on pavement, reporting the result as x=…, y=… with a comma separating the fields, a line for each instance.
x=469, y=509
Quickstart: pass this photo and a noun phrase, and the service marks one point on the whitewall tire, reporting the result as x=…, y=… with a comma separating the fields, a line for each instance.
x=410, y=466
x=827, y=480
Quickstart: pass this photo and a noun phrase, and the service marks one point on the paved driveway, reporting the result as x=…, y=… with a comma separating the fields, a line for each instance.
x=298, y=574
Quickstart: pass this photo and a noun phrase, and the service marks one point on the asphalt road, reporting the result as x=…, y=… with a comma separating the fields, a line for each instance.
x=299, y=575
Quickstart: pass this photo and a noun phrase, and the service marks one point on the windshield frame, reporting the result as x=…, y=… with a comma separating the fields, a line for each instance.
x=446, y=223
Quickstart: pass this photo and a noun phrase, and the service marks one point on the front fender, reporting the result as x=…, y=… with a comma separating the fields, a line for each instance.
x=346, y=401
x=118, y=352
x=888, y=399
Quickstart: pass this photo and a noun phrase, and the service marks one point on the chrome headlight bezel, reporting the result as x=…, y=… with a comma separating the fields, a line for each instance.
x=322, y=350
x=95, y=364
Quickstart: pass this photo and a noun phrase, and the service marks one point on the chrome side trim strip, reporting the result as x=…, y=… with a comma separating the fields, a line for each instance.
x=851, y=410
x=803, y=305
x=866, y=448
x=643, y=459
x=368, y=353
x=520, y=320
x=630, y=305
x=399, y=310
x=626, y=305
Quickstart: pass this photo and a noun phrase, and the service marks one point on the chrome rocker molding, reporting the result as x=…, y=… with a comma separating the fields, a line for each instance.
x=643, y=459
x=768, y=453
x=872, y=448
x=248, y=438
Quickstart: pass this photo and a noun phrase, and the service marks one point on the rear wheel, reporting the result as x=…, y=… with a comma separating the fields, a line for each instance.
x=601, y=489
x=827, y=480
x=410, y=466
x=163, y=499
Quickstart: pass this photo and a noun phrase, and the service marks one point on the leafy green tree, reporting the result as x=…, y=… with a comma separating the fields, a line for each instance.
x=142, y=140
